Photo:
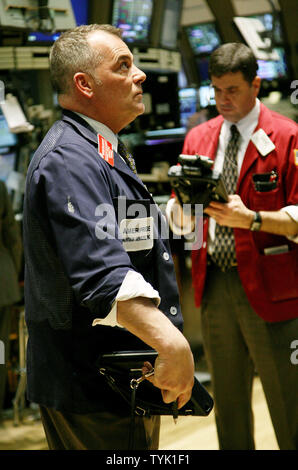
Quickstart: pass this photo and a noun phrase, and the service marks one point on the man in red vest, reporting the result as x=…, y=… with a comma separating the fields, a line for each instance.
x=245, y=275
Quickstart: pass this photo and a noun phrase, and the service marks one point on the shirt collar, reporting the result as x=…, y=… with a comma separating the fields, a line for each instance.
x=103, y=130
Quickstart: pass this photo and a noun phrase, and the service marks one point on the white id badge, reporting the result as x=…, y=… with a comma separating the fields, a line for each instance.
x=137, y=234
x=263, y=143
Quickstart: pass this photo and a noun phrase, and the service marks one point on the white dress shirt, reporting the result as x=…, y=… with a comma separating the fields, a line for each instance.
x=133, y=285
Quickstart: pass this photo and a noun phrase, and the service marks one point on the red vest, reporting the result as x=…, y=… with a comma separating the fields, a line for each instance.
x=270, y=281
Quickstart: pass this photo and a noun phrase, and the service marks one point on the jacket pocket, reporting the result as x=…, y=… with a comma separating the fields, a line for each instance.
x=266, y=201
x=280, y=275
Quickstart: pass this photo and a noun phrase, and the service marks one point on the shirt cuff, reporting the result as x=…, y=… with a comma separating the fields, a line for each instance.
x=292, y=211
x=133, y=285
x=176, y=229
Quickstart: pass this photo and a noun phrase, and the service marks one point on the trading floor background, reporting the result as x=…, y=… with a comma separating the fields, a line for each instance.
x=171, y=41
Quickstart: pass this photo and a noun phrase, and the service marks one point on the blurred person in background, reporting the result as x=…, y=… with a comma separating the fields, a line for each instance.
x=10, y=264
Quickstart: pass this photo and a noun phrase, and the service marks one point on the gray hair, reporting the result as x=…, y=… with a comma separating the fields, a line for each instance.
x=71, y=53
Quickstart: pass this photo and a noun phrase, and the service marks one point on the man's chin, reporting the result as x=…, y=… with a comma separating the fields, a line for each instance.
x=141, y=109
x=229, y=115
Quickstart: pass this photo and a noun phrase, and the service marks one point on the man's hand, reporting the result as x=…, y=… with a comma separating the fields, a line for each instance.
x=175, y=376
x=232, y=213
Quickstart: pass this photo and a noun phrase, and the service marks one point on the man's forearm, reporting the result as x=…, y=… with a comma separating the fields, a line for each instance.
x=142, y=318
x=278, y=223
x=235, y=214
x=174, y=367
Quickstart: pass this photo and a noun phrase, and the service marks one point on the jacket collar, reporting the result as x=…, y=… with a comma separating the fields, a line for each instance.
x=265, y=120
x=252, y=154
x=90, y=134
x=79, y=124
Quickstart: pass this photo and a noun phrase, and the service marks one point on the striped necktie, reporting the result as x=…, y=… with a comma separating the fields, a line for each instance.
x=224, y=254
x=124, y=153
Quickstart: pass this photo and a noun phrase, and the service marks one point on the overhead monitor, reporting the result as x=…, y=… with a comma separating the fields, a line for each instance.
x=252, y=30
x=203, y=38
x=263, y=33
x=206, y=96
x=25, y=14
x=188, y=102
x=80, y=11
x=170, y=24
x=134, y=18
x=272, y=24
x=277, y=68
x=273, y=69
x=36, y=37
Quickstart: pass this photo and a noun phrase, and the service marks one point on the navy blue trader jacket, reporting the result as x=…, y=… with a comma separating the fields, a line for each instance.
x=76, y=262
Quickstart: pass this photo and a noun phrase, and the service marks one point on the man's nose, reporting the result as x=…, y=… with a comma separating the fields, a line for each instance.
x=225, y=96
x=138, y=75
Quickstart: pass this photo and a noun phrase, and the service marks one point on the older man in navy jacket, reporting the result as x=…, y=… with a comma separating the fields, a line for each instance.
x=99, y=275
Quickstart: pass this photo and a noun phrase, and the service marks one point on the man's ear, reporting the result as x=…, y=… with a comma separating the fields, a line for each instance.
x=83, y=84
x=256, y=83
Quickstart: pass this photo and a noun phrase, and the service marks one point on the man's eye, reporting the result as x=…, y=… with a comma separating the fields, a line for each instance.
x=124, y=66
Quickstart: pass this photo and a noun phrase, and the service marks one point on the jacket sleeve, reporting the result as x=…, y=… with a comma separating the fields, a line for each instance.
x=74, y=204
x=291, y=183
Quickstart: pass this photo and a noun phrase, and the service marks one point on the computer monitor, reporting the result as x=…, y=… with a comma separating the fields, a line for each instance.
x=134, y=18
x=273, y=69
x=203, y=38
x=206, y=96
x=36, y=37
x=7, y=165
x=272, y=25
x=188, y=101
x=80, y=11
x=7, y=138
